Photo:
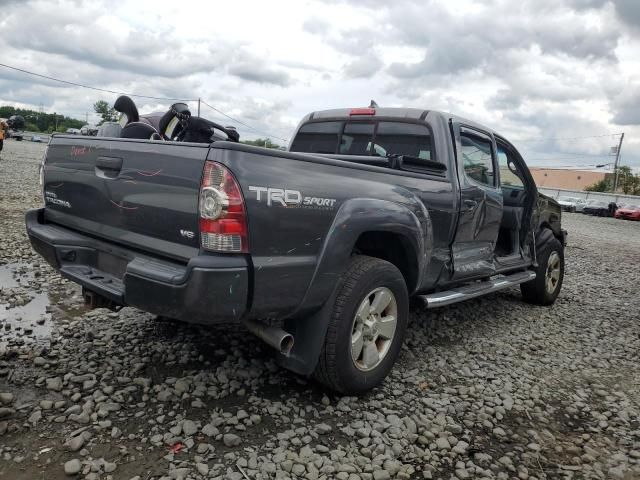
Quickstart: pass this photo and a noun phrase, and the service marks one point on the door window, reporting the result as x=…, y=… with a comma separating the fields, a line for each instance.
x=478, y=158
x=509, y=174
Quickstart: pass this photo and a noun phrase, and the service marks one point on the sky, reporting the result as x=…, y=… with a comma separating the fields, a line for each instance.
x=540, y=72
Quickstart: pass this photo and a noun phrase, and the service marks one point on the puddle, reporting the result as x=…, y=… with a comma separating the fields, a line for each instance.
x=30, y=322
x=6, y=277
x=12, y=277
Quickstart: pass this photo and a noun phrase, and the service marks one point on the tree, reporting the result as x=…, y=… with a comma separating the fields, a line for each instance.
x=262, y=142
x=599, y=186
x=41, y=121
x=625, y=179
x=107, y=113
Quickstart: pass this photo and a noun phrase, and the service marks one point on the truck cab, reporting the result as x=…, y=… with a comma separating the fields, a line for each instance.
x=494, y=198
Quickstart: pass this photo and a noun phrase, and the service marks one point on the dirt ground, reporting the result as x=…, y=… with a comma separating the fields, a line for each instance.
x=492, y=388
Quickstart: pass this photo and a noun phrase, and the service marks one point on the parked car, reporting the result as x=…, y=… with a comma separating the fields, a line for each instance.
x=628, y=212
x=316, y=250
x=572, y=204
x=597, y=208
x=109, y=129
x=89, y=130
x=36, y=138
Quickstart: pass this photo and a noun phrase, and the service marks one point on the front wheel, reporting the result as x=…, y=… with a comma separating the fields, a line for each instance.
x=545, y=288
x=366, y=327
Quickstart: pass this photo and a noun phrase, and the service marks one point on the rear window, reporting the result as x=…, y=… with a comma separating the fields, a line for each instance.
x=320, y=137
x=364, y=138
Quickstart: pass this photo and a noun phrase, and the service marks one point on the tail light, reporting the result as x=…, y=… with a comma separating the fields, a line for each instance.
x=41, y=170
x=223, y=219
x=362, y=111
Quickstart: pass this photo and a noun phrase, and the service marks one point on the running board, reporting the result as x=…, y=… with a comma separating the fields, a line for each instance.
x=477, y=289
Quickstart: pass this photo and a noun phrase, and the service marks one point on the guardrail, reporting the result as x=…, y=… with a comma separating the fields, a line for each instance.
x=618, y=198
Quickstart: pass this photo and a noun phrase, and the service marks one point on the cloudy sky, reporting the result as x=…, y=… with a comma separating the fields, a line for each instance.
x=542, y=72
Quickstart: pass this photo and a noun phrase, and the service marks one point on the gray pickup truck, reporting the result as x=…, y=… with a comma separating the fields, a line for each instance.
x=316, y=250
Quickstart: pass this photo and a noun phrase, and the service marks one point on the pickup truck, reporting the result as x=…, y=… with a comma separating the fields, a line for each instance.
x=317, y=250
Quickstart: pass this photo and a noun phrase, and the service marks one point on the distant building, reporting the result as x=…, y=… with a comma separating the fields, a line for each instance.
x=569, y=179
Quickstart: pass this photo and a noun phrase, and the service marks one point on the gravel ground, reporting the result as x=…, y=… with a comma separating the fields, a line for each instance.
x=493, y=388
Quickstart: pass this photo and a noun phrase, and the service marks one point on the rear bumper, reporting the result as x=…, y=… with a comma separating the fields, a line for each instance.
x=208, y=289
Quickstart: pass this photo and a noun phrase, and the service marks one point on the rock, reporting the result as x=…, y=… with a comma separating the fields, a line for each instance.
x=6, y=398
x=189, y=428
x=110, y=467
x=442, y=443
x=323, y=428
x=39, y=361
x=231, y=440
x=6, y=412
x=75, y=443
x=381, y=475
x=210, y=431
x=35, y=417
x=203, y=468
x=72, y=467
x=54, y=384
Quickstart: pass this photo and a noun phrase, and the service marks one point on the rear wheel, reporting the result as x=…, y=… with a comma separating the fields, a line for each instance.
x=545, y=288
x=366, y=328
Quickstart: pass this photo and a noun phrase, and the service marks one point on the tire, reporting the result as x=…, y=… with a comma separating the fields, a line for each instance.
x=342, y=366
x=544, y=290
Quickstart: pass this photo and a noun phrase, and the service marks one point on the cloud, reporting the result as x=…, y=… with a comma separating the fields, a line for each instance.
x=530, y=69
x=256, y=71
x=626, y=107
x=316, y=25
x=629, y=12
x=363, y=67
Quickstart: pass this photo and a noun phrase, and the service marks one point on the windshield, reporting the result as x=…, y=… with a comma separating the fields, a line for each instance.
x=364, y=137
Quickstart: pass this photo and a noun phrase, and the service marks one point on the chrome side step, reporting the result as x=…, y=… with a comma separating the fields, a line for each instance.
x=477, y=289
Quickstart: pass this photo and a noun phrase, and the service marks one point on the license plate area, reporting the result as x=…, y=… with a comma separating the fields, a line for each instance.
x=111, y=264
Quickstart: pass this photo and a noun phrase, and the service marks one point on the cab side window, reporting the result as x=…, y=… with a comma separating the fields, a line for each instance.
x=509, y=174
x=477, y=158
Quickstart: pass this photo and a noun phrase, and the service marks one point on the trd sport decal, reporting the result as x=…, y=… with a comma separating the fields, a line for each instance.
x=290, y=198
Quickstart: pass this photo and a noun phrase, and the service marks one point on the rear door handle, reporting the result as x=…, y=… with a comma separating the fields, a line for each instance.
x=108, y=167
x=470, y=203
x=109, y=163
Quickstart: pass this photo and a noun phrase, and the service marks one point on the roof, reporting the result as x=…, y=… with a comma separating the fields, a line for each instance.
x=607, y=169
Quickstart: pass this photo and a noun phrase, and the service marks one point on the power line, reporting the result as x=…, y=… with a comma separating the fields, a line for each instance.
x=540, y=139
x=139, y=96
x=94, y=88
x=242, y=123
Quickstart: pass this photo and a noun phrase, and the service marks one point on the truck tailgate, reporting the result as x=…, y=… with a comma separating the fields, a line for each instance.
x=137, y=193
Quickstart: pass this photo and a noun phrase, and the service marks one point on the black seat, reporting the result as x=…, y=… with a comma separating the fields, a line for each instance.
x=127, y=109
x=140, y=130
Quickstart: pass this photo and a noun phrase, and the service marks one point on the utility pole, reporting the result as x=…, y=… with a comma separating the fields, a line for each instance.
x=86, y=117
x=615, y=168
x=55, y=117
x=198, y=106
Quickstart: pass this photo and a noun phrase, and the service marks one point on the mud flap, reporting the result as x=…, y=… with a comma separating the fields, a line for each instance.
x=309, y=334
